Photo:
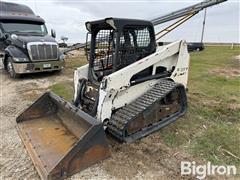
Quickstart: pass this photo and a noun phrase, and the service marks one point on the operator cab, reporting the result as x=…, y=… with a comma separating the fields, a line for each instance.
x=117, y=43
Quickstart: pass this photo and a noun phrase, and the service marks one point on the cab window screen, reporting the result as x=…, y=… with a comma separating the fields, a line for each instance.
x=135, y=44
x=104, y=50
x=143, y=37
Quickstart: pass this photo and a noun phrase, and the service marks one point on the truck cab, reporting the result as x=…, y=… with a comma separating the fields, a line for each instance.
x=25, y=45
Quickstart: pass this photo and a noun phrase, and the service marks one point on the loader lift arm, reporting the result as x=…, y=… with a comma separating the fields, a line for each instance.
x=184, y=14
x=185, y=11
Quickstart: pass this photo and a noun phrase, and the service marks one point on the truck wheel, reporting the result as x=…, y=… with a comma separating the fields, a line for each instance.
x=10, y=69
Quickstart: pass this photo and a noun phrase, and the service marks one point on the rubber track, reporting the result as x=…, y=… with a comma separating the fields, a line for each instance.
x=118, y=122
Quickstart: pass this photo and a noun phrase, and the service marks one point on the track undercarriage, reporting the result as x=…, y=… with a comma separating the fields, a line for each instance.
x=158, y=107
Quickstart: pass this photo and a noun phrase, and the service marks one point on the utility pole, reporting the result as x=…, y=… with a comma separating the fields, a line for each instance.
x=204, y=22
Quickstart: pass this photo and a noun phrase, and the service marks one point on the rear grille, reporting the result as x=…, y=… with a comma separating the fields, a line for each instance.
x=43, y=51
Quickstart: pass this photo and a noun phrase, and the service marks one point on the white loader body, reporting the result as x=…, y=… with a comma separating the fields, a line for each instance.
x=116, y=90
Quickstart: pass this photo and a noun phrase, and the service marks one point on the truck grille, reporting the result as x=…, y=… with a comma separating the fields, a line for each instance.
x=43, y=51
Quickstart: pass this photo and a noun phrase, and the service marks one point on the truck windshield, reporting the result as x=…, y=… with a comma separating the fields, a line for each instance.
x=19, y=27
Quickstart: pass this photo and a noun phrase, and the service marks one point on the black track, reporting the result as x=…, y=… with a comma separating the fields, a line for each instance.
x=120, y=120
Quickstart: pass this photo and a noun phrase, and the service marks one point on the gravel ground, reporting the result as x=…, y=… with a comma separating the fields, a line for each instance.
x=148, y=158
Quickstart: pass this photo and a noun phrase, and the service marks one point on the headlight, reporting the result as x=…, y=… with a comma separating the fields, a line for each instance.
x=20, y=59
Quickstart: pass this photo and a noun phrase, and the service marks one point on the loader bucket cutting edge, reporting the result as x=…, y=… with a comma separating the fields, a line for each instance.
x=61, y=139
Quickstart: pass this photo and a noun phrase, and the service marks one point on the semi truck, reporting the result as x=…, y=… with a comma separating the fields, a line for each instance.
x=25, y=46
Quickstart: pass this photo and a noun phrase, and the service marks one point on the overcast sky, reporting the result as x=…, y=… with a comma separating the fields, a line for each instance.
x=68, y=17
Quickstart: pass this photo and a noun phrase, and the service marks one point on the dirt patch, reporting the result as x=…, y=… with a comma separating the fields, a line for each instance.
x=227, y=72
x=8, y=110
x=234, y=106
x=32, y=95
x=237, y=58
x=148, y=158
x=211, y=103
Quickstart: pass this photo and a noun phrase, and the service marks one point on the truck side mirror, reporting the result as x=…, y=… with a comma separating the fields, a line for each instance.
x=53, y=33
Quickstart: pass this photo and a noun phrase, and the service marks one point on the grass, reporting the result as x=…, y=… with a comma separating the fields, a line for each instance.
x=63, y=89
x=217, y=138
x=211, y=127
x=211, y=123
x=75, y=62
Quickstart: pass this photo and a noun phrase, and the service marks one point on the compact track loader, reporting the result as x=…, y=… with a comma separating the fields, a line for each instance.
x=130, y=88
